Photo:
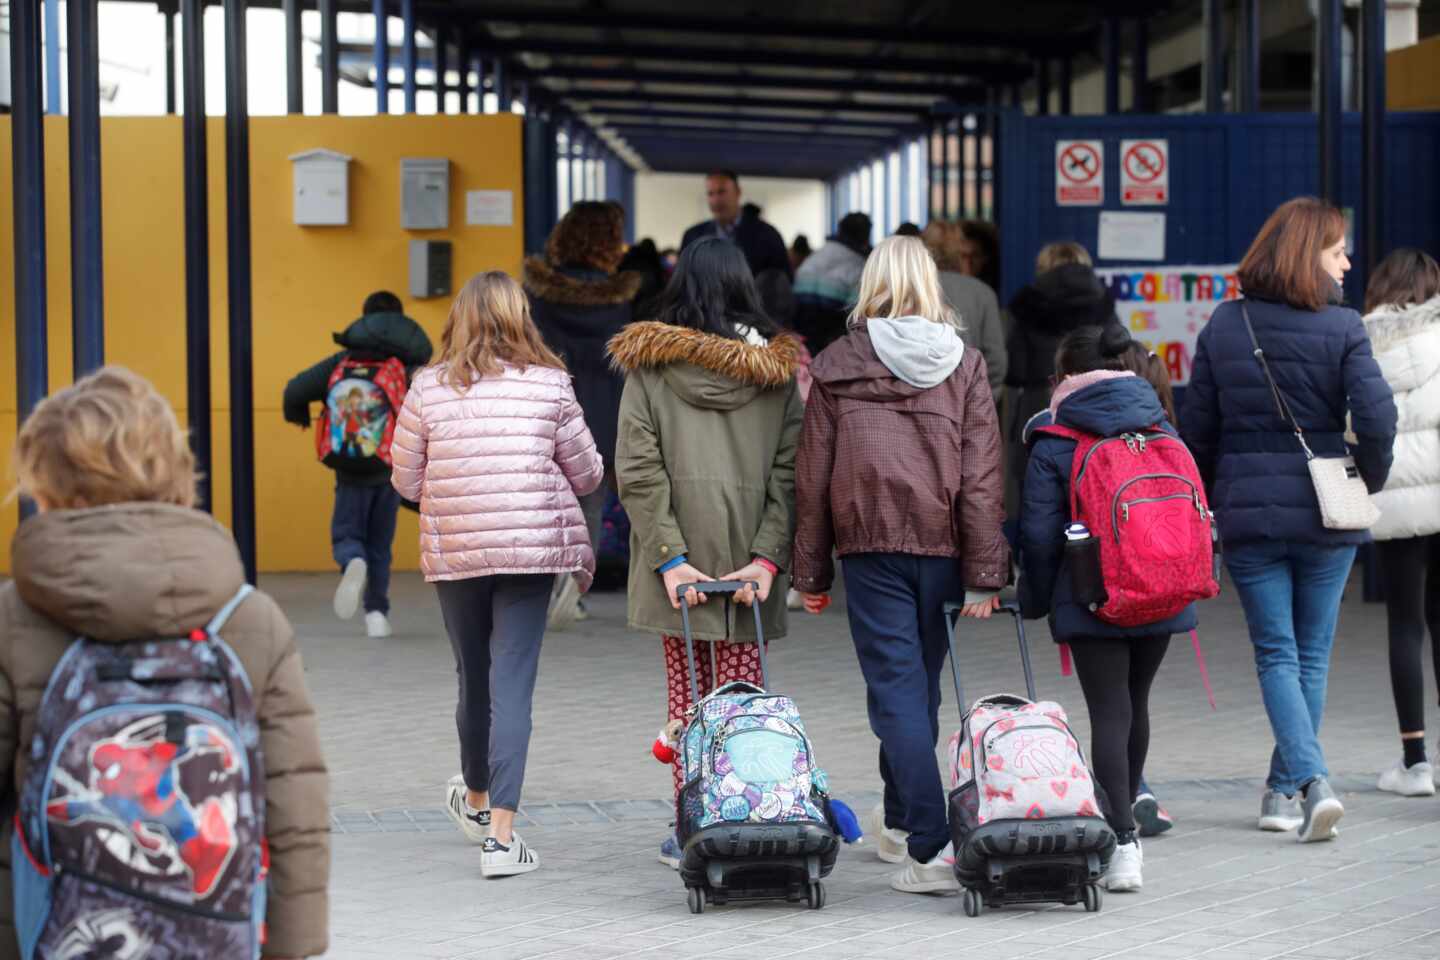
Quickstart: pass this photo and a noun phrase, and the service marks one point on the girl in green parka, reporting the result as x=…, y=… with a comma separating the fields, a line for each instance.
x=705, y=464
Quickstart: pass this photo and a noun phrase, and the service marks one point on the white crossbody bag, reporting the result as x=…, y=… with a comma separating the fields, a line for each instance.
x=1344, y=499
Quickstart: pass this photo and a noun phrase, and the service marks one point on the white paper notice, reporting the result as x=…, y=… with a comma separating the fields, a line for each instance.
x=489, y=208
x=1132, y=236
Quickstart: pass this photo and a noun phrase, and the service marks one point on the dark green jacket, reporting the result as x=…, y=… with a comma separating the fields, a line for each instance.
x=705, y=464
x=375, y=336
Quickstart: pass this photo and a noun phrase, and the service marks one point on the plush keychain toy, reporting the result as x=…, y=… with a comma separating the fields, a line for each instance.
x=667, y=742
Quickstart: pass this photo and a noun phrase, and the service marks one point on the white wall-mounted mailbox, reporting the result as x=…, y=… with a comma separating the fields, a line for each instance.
x=425, y=193
x=322, y=188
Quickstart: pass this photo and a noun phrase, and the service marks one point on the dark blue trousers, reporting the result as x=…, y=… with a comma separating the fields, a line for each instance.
x=897, y=620
x=363, y=527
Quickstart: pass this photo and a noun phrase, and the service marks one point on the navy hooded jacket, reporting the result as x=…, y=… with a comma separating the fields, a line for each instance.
x=1108, y=408
x=1252, y=463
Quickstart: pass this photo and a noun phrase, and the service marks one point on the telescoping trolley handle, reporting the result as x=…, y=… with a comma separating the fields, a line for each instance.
x=952, y=617
x=727, y=588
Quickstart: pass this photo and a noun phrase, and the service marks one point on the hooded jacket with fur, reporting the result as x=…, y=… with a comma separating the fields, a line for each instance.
x=705, y=465
x=1406, y=342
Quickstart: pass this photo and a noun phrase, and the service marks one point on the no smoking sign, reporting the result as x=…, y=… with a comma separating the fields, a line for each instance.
x=1079, y=173
x=1144, y=172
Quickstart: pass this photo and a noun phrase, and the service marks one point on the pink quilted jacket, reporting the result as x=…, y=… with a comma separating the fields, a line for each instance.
x=497, y=470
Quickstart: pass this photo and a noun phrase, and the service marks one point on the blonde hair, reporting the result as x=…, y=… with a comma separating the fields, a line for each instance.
x=900, y=280
x=109, y=438
x=944, y=241
x=1054, y=255
x=489, y=326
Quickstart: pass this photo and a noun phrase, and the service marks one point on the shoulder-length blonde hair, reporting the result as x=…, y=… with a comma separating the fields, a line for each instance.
x=489, y=326
x=900, y=280
x=109, y=438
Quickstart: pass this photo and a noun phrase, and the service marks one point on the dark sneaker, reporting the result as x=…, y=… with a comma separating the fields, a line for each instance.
x=670, y=853
x=1151, y=819
x=475, y=824
x=498, y=860
x=1321, y=810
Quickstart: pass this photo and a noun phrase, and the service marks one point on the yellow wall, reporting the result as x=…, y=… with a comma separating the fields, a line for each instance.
x=308, y=281
x=1412, y=77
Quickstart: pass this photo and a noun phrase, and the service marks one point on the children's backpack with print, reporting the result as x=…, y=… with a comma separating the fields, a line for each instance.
x=357, y=425
x=1141, y=497
x=141, y=821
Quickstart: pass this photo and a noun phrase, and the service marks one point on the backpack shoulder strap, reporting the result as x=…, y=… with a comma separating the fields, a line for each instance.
x=226, y=612
x=1067, y=433
x=1083, y=442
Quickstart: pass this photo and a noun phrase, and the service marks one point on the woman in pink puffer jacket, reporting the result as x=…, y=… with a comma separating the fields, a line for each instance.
x=493, y=445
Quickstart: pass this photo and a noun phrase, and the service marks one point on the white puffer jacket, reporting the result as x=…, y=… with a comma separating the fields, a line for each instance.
x=1407, y=345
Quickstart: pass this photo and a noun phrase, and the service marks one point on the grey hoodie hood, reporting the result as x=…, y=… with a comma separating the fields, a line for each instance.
x=920, y=352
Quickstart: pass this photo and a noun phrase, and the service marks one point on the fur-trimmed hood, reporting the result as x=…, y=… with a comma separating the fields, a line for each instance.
x=589, y=288
x=1406, y=341
x=1390, y=324
x=705, y=369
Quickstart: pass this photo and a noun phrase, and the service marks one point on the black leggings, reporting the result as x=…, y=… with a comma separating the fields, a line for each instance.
x=1411, y=568
x=1116, y=676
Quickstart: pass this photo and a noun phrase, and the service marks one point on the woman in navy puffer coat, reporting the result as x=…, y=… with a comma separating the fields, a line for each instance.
x=1289, y=570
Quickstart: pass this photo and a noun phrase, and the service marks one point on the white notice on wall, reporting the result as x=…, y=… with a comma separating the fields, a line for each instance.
x=1131, y=236
x=490, y=208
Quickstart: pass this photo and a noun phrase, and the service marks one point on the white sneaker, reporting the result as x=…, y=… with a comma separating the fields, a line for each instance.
x=498, y=860
x=1279, y=813
x=793, y=600
x=377, y=625
x=1416, y=781
x=352, y=585
x=1125, y=865
x=564, y=603
x=936, y=875
x=475, y=824
x=890, y=844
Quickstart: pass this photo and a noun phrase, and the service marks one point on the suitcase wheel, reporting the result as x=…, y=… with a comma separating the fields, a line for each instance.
x=816, y=895
x=973, y=902
x=1093, y=898
x=696, y=896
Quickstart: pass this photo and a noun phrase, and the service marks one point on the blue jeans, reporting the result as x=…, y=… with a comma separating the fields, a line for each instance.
x=897, y=621
x=1291, y=593
x=363, y=528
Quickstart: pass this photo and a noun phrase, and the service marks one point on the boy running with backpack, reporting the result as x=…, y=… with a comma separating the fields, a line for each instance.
x=165, y=771
x=1116, y=545
x=362, y=389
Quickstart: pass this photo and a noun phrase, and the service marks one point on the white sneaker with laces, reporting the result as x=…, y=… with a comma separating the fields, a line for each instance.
x=1416, y=781
x=1125, y=866
x=936, y=875
x=352, y=585
x=475, y=824
x=499, y=860
x=890, y=844
x=377, y=625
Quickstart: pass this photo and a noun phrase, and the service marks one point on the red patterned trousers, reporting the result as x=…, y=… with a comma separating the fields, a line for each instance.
x=733, y=661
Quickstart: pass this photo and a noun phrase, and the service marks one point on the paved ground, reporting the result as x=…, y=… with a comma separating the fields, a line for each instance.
x=406, y=885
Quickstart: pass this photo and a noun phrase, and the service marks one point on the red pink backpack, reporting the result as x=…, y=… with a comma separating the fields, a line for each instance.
x=357, y=423
x=1141, y=496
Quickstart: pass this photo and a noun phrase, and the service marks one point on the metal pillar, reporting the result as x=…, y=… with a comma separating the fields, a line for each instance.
x=329, y=58
x=1067, y=80
x=952, y=172
x=463, y=64
x=53, y=64
x=576, y=149
x=442, y=67
x=1328, y=102
x=1015, y=95
x=407, y=14
x=1110, y=40
x=197, y=248
x=1042, y=87
x=294, y=69
x=27, y=184
x=903, y=201
x=87, y=254
x=502, y=87
x=382, y=56
x=237, y=219
x=1140, y=68
x=1372, y=134
x=169, y=14
x=1212, y=64
x=1250, y=56
x=540, y=183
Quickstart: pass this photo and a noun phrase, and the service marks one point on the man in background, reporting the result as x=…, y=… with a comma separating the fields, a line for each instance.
x=761, y=243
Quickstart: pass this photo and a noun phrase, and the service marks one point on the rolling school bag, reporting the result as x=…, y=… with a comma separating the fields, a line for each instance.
x=752, y=814
x=141, y=821
x=1025, y=813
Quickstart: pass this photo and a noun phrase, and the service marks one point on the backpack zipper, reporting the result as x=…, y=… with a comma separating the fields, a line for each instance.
x=1129, y=438
x=1053, y=725
x=223, y=916
x=1117, y=504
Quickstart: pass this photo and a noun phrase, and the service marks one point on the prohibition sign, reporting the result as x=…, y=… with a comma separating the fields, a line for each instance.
x=1079, y=162
x=1144, y=162
x=1079, y=172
